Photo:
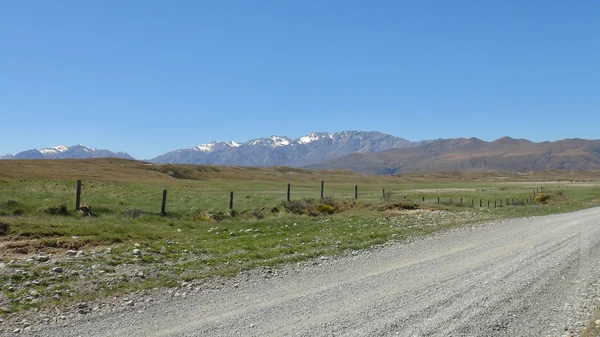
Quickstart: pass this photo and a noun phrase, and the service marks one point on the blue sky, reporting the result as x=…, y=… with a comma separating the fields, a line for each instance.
x=148, y=77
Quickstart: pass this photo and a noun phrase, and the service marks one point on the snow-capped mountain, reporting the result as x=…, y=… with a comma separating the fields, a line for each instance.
x=67, y=152
x=279, y=150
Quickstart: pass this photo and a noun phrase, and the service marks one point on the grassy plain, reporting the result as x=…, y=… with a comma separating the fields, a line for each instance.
x=200, y=237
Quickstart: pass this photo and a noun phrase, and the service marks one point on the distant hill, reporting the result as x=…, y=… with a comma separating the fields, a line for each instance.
x=283, y=151
x=473, y=154
x=67, y=152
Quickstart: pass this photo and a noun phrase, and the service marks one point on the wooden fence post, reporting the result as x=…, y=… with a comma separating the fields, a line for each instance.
x=423, y=199
x=289, y=190
x=78, y=195
x=461, y=201
x=488, y=203
x=438, y=200
x=480, y=202
x=322, y=188
x=355, y=191
x=163, y=207
x=231, y=200
x=494, y=203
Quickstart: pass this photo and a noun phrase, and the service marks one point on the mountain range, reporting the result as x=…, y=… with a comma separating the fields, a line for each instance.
x=473, y=154
x=67, y=152
x=368, y=153
x=313, y=148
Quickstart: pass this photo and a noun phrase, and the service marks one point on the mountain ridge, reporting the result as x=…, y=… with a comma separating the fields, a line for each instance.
x=461, y=154
x=67, y=152
x=284, y=151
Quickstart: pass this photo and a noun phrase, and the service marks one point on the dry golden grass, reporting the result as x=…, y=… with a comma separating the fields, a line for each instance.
x=122, y=170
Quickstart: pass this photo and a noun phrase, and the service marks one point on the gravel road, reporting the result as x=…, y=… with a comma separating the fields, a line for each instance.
x=526, y=277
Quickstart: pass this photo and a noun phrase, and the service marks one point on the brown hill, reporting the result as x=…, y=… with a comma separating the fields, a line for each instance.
x=473, y=154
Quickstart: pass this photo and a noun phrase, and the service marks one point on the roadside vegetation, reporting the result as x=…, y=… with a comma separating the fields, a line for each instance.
x=119, y=242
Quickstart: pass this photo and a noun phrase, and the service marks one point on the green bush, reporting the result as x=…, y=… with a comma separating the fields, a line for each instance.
x=330, y=202
x=325, y=209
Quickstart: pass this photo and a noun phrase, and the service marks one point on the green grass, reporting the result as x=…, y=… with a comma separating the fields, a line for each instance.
x=188, y=244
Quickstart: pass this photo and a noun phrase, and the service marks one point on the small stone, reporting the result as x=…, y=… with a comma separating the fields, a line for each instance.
x=137, y=245
x=71, y=253
x=82, y=311
x=130, y=303
x=57, y=270
x=17, y=330
x=597, y=322
x=43, y=258
x=29, y=260
x=137, y=252
x=324, y=257
x=11, y=289
x=108, y=250
x=178, y=230
x=140, y=274
x=34, y=293
x=252, y=325
x=82, y=305
x=169, y=242
x=1, y=320
x=5, y=310
x=80, y=253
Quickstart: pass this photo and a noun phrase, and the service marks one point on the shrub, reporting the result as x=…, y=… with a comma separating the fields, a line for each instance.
x=325, y=209
x=306, y=206
x=206, y=217
x=399, y=205
x=330, y=201
x=542, y=198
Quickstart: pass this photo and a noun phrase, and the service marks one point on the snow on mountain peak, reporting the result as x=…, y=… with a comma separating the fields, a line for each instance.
x=314, y=136
x=279, y=141
x=54, y=149
x=211, y=146
x=205, y=147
